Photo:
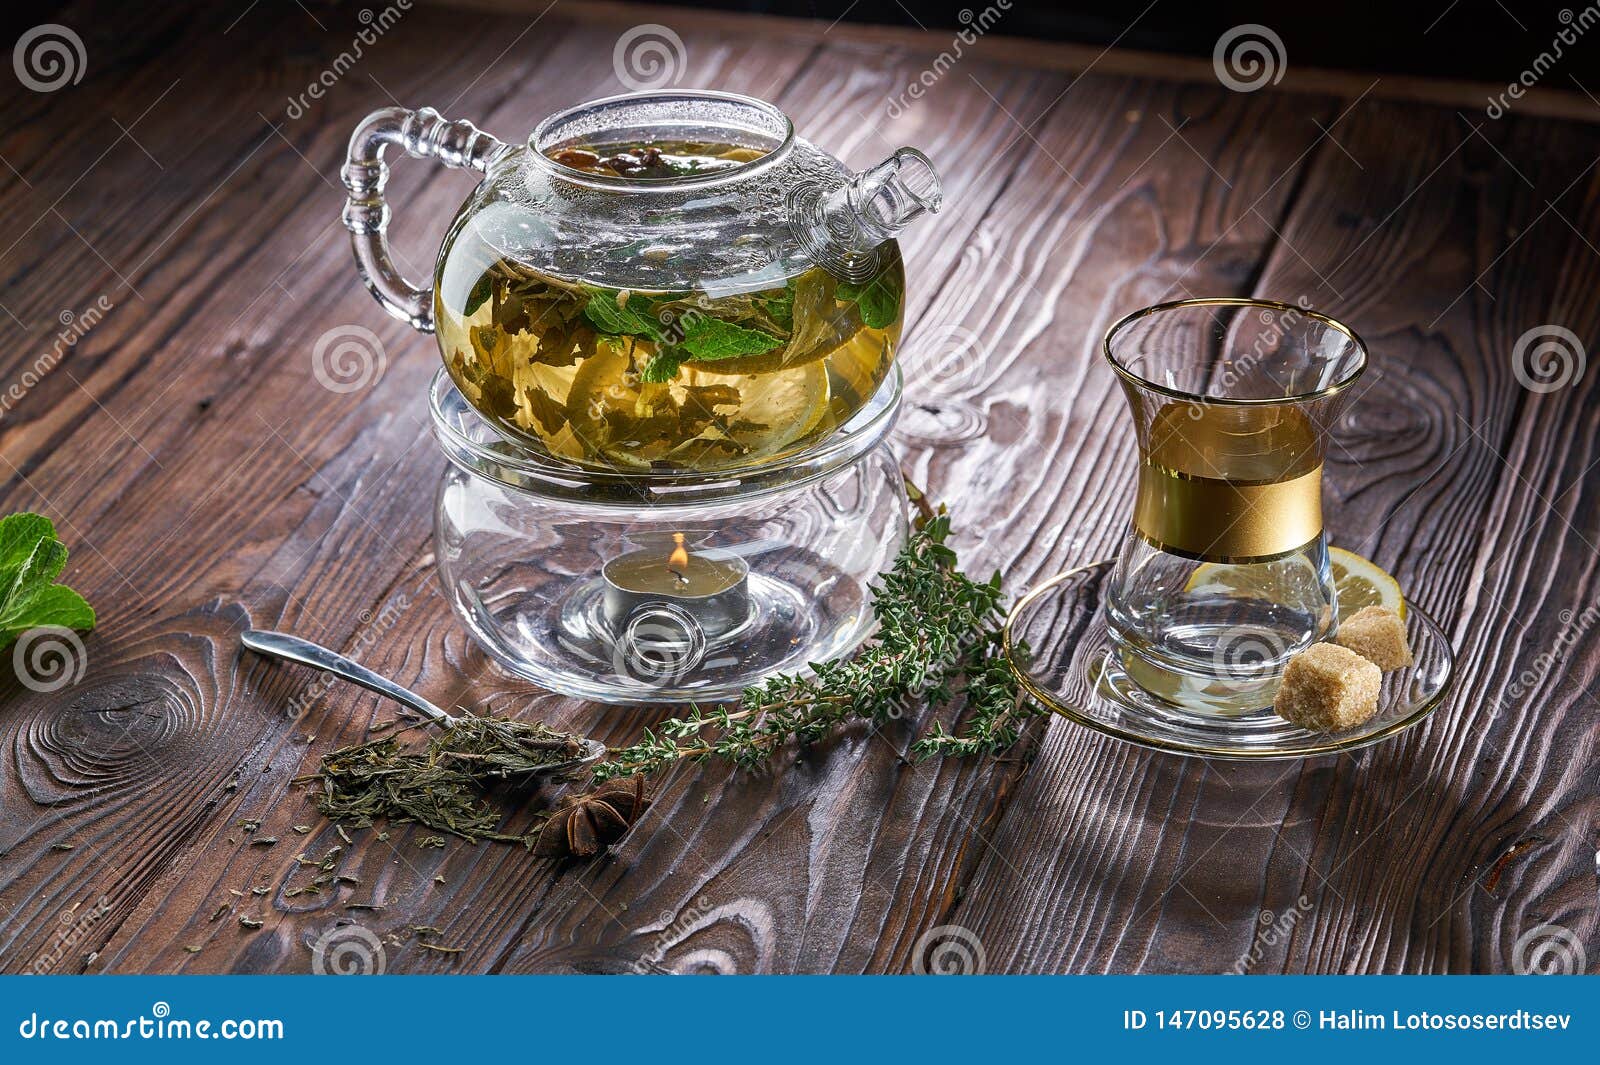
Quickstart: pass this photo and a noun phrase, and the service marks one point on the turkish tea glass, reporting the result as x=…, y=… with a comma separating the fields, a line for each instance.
x=1223, y=573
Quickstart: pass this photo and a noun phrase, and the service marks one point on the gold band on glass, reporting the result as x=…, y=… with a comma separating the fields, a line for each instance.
x=1230, y=484
x=1212, y=520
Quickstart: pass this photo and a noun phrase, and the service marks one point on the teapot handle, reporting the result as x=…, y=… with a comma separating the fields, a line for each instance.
x=424, y=134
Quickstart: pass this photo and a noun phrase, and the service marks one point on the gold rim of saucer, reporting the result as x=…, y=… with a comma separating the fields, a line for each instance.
x=1421, y=713
x=1228, y=401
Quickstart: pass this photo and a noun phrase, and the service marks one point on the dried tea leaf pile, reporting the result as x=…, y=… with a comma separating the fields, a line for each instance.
x=442, y=786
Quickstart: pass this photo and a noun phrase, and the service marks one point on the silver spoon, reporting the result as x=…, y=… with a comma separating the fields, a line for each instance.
x=294, y=649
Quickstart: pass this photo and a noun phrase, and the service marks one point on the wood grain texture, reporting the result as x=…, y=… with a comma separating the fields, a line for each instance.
x=205, y=482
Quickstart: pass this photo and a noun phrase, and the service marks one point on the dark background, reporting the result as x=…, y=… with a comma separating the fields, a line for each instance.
x=1482, y=41
x=1491, y=41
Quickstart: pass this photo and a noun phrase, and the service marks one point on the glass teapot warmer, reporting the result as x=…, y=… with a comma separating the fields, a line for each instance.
x=570, y=580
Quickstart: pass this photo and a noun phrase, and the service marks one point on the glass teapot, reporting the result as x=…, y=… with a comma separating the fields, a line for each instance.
x=661, y=281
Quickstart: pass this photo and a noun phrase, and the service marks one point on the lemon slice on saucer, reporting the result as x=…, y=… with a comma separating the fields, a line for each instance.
x=1362, y=582
x=1359, y=582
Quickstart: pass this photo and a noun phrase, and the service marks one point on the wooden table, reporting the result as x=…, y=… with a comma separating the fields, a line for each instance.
x=205, y=482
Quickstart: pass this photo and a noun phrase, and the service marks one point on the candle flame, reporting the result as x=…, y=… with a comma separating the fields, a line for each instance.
x=678, y=561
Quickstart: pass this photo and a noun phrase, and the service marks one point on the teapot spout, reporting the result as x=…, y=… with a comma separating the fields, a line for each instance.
x=890, y=196
x=844, y=228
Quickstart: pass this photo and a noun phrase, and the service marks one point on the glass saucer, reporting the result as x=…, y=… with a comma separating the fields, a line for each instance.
x=1072, y=667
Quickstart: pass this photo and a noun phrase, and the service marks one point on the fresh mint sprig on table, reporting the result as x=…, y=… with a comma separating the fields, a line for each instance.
x=31, y=558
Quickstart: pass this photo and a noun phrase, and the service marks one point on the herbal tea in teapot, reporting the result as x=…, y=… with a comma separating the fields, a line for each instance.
x=671, y=281
x=681, y=378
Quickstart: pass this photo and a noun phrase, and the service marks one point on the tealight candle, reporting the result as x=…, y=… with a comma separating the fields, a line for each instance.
x=713, y=590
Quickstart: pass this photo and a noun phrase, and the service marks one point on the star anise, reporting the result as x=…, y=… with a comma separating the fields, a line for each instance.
x=586, y=824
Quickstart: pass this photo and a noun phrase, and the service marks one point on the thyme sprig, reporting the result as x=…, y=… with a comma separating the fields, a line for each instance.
x=997, y=710
x=938, y=637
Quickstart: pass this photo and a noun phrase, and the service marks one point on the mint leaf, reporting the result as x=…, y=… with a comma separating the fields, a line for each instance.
x=710, y=339
x=43, y=564
x=480, y=292
x=781, y=307
x=31, y=558
x=878, y=300
x=607, y=316
x=19, y=535
x=662, y=367
x=879, y=307
x=56, y=607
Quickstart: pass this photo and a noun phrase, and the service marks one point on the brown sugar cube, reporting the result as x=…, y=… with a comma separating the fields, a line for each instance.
x=1328, y=688
x=1377, y=634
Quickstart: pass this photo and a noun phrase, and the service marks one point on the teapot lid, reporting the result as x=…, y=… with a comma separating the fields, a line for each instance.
x=693, y=115
x=740, y=228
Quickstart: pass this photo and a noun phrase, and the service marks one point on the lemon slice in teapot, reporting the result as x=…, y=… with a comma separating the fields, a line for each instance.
x=602, y=402
x=700, y=419
x=774, y=411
